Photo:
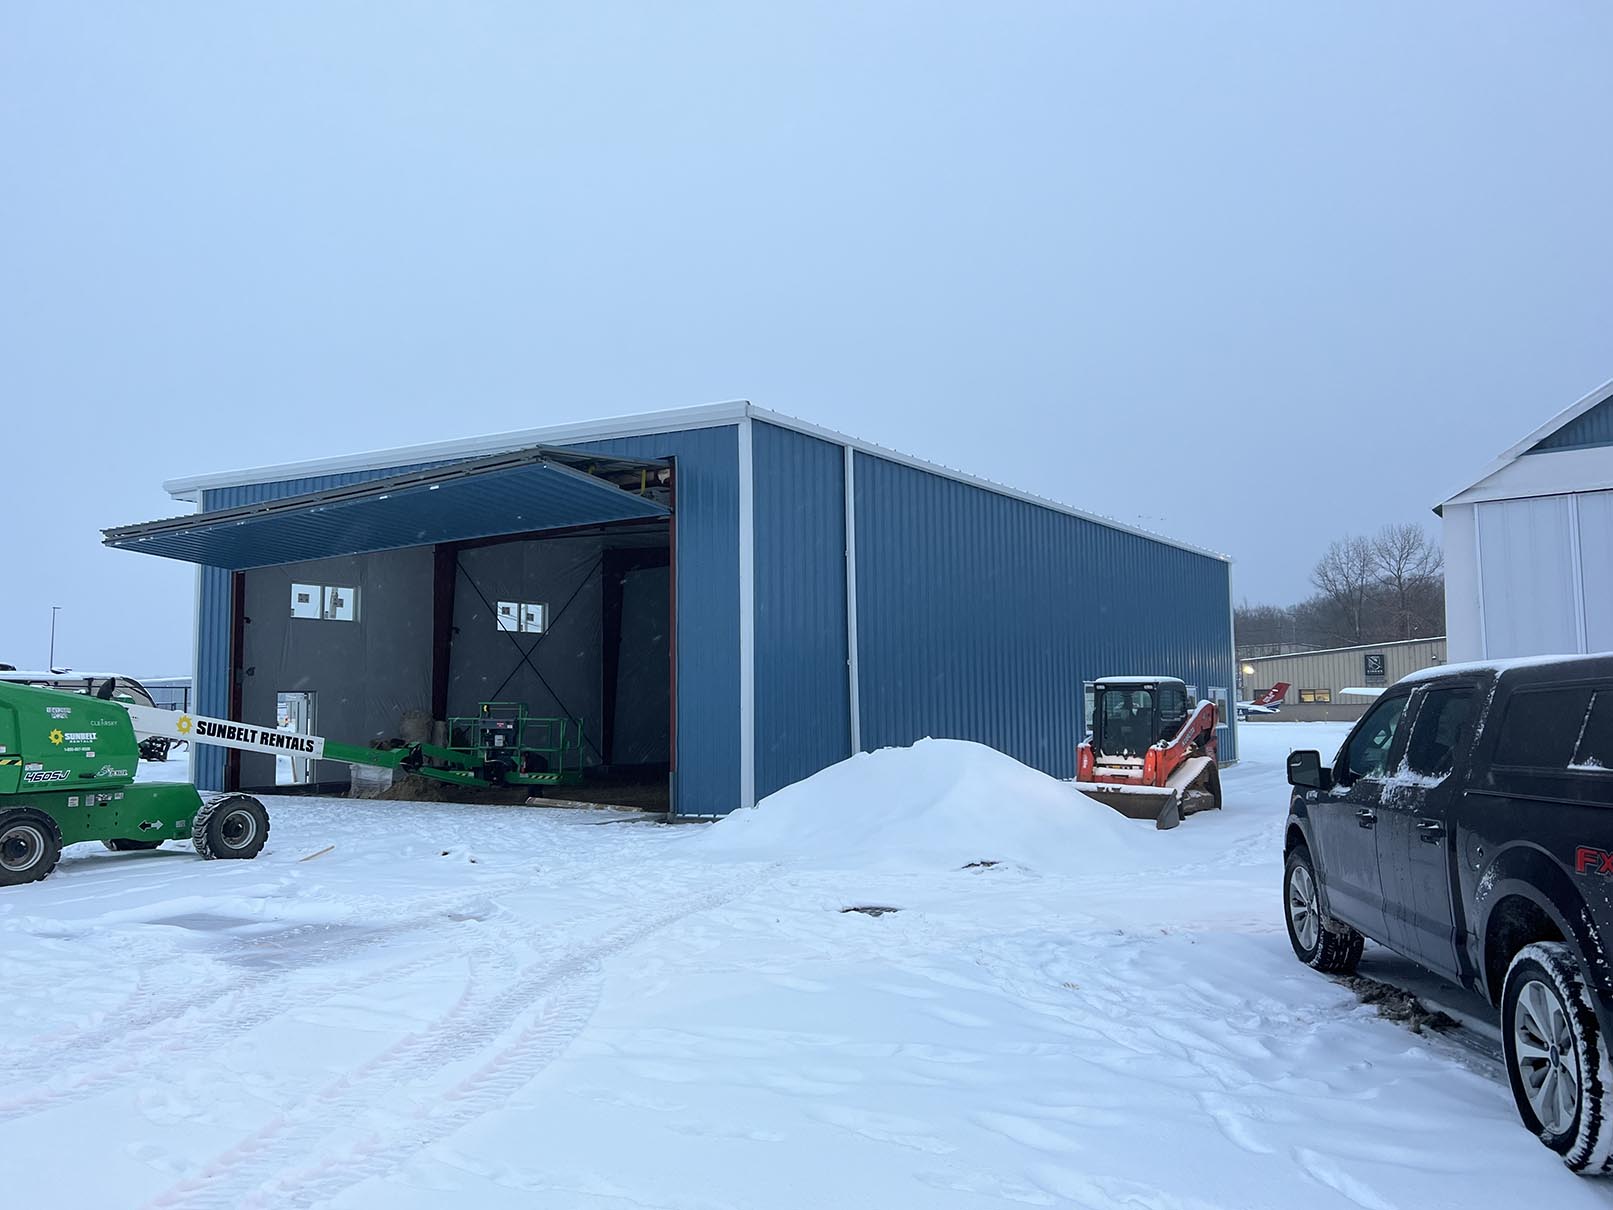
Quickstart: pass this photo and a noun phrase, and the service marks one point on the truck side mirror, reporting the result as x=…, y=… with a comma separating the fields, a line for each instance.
x=1305, y=770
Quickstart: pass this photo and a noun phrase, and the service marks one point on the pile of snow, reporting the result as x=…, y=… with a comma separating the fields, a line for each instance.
x=942, y=803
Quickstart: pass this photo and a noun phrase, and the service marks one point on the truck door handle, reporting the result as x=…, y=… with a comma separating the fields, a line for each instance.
x=1365, y=817
x=1430, y=831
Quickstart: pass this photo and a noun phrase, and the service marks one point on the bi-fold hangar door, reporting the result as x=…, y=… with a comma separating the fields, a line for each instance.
x=526, y=492
x=417, y=534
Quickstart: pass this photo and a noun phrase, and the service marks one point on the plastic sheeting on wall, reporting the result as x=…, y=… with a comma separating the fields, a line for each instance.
x=365, y=674
x=555, y=672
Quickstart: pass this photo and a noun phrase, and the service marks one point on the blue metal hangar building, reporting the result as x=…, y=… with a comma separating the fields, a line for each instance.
x=726, y=598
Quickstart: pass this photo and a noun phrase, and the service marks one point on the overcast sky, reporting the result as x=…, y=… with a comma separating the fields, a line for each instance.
x=1251, y=275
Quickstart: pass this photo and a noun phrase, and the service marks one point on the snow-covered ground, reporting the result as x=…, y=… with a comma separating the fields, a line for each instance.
x=500, y=1007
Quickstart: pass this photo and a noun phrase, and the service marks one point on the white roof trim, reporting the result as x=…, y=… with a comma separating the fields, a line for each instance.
x=702, y=416
x=1571, y=413
x=710, y=415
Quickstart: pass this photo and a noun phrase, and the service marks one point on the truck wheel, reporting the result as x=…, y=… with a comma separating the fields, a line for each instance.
x=1330, y=947
x=30, y=846
x=125, y=845
x=235, y=826
x=1556, y=1057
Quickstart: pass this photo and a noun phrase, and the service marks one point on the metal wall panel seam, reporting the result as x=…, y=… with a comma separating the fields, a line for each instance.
x=854, y=705
x=1478, y=569
x=1578, y=571
x=747, y=617
x=1232, y=646
x=195, y=645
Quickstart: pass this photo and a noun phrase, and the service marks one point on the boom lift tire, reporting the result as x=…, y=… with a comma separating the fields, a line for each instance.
x=127, y=845
x=1328, y=946
x=30, y=846
x=233, y=827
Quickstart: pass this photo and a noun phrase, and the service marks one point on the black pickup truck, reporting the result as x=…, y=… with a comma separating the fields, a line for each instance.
x=1467, y=823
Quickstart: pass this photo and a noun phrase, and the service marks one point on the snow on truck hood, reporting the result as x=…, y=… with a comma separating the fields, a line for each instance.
x=939, y=804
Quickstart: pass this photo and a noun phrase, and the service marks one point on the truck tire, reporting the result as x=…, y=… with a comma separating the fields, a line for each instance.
x=1330, y=947
x=127, y=845
x=30, y=846
x=233, y=827
x=1557, y=1061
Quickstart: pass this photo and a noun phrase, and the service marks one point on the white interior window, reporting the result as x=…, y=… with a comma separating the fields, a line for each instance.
x=534, y=618
x=341, y=603
x=306, y=600
x=509, y=615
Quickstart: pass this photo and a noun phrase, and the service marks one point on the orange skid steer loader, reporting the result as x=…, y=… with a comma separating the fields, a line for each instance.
x=1151, y=753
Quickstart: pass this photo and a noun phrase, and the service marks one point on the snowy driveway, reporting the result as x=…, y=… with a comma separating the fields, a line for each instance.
x=471, y=1007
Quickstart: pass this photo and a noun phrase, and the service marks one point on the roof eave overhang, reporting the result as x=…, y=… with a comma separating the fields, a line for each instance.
x=561, y=489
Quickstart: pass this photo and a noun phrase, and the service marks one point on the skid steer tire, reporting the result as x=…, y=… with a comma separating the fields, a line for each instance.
x=126, y=845
x=1326, y=945
x=1212, y=783
x=30, y=846
x=234, y=827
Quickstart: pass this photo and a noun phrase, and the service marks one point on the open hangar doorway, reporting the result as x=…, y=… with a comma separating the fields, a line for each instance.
x=574, y=625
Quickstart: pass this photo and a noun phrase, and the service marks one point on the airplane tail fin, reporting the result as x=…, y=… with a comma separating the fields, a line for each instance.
x=1273, y=695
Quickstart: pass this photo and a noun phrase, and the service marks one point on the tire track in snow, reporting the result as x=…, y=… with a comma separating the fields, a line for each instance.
x=547, y=1007
x=169, y=1027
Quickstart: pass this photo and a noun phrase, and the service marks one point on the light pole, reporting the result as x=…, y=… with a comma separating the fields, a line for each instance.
x=54, y=610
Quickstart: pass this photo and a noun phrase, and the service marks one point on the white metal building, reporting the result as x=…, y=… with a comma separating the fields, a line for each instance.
x=1529, y=544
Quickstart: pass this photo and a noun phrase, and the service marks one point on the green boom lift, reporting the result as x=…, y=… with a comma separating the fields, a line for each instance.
x=68, y=761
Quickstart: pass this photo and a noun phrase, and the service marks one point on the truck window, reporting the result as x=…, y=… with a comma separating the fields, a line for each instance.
x=1594, y=752
x=1370, y=743
x=1541, y=727
x=1440, y=724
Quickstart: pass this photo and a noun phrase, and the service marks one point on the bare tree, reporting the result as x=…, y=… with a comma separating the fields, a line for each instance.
x=1410, y=567
x=1345, y=578
x=1380, y=589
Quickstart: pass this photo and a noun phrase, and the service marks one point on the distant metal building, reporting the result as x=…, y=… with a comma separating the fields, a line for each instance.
x=169, y=692
x=1318, y=680
x=730, y=599
x=1529, y=544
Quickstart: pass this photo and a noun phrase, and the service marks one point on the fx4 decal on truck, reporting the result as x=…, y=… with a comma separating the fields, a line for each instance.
x=1593, y=861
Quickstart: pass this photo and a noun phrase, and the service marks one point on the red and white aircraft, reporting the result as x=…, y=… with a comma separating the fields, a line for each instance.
x=1269, y=702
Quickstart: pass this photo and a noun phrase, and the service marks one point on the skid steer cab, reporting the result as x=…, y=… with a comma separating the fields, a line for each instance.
x=1152, y=750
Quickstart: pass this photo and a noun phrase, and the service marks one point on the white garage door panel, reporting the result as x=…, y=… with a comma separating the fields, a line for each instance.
x=1527, y=572
x=1596, y=567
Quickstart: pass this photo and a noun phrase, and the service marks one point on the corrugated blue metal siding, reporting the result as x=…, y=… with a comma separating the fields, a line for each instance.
x=979, y=616
x=803, y=713
x=706, y=513
x=707, y=517
x=1592, y=428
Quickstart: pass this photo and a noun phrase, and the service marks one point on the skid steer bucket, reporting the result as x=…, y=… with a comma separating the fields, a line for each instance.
x=1157, y=803
x=1187, y=792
